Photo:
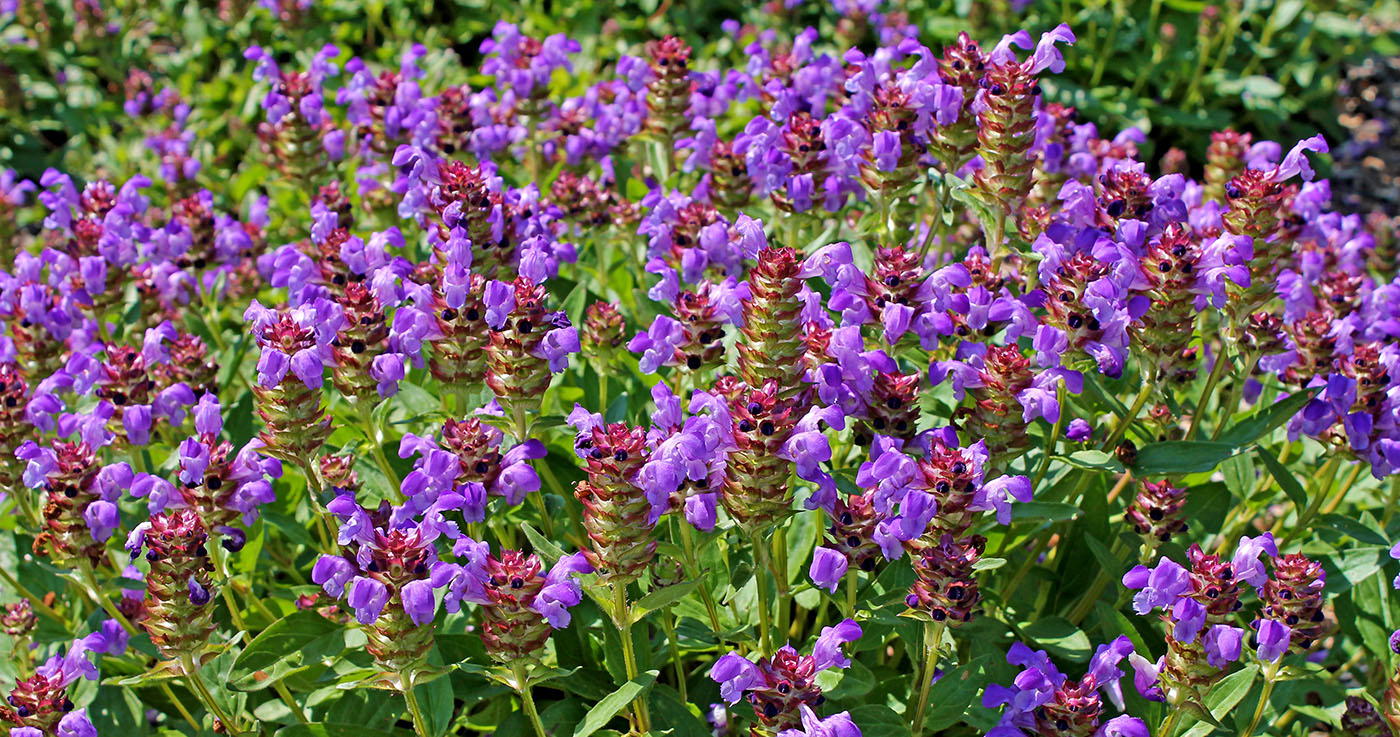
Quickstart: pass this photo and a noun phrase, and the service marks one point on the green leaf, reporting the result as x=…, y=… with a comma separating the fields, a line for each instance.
x=614, y=703
x=1093, y=460
x=435, y=698
x=1283, y=476
x=662, y=598
x=1223, y=697
x=879, y=720
x=289, y=645
x=1102, y=554
x=1181, y=457
x=951, y=695
x=1060, y=638
x=1352, y=528
x=988, y=564
x=1053, y=511
x=543, y=547
x=1268, y=419
x=331, y=729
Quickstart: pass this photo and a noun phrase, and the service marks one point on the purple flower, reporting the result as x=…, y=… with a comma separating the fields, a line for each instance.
x=499, y=298
x=388, y=369
x=199, y=595
x=332, y=572
x=658, y=344
x=102, y=519
x=418, y=601
x=367, y=597
x=998, y=493
x=1145, y=675
x=1123, y=726
x=1273, y=638
x=1222, y=643
x=1079, y=431
x=1160, y=586
x=836, y=725
x=735, y=674
x=828, y=566
x=1296, y=163
x=75, y=724
x=561, y=590
x=557, y=345
x=826, y=653
x=1046, y=54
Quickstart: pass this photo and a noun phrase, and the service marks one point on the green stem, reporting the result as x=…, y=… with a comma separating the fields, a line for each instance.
x=376, y=444
x=1232, y=399
x=852, y=584
x=35, y=601
x=1327, y=475
x=1108, y=44
x=197, y=684
x=1025, y=568
x=1270, y=678
x=527, y=699
x=1101, y=578
x=693, y=563
x=1215, y=373
x=623, y=620
x=95, y=589
x=1169, y=724
x=179, y=705
x=1391, y=501
x=760, y=577
x=1145, y=393
x=1054, y=437
x=779, y=563
x=415, y=710
x=933, y=635
x=216, y=553
x=668, y=622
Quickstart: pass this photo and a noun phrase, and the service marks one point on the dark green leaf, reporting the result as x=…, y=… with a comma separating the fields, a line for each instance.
x=614, y=703
x=1353, y=528
x=1094, y=460
x=1181, y=457
x=1266, y=420
x=1059, y=638
x=663, y=597
x=1053, y=511
x=282, y=649
x=1283, y=476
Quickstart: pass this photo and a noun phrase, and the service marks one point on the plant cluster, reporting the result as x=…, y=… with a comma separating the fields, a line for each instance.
x=808, y=390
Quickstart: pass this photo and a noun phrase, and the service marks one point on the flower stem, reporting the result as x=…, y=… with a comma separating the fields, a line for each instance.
x=779, y=566
x=1211, y=381
x=95, y=589
x=1149, y=385
x=179, y=705
x=693, y=564
x=760, y=577
x=376, y=445
x=1054, y=437
x=933, y=635
x=668, y=621
x=197, y=684
x=527, y=699
x=1325, y=478
x=1169, y=724
x=36, y=602
x=852, y=584
x=415, y=710
x=1269, y=682
x=623, y=619
x=1232, y=399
